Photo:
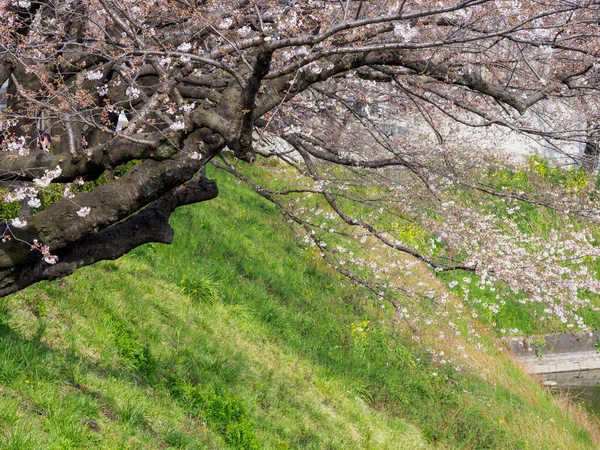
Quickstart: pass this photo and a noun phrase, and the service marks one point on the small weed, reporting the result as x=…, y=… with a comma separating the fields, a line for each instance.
x=18, y=439
x=224, y=412
x=539, y=344
x=132, y=414
x=8, y=210
x=177, y=439
x=200, y=289
x=130, y=347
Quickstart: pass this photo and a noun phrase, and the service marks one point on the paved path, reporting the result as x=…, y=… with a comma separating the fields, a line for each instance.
x=561, y=362
x=568, y=352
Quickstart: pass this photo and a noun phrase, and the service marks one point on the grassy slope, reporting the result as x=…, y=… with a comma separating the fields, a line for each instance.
x=233, y=337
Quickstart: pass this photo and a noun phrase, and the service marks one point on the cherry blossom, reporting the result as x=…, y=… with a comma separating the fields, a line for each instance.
x=84, y=211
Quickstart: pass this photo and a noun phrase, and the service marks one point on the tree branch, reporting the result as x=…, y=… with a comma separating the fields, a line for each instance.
x=149, y=225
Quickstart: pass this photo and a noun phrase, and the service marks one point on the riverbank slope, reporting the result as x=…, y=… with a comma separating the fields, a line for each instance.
x=237, y=337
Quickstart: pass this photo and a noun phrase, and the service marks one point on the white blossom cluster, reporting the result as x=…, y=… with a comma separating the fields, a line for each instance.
x=94, y=75
x=84, y=211
x=49, y=175
x=132, y=92
x=20, y=194
x=18, y=146
x=178, y=125
x=22, y=3
x=405, y=31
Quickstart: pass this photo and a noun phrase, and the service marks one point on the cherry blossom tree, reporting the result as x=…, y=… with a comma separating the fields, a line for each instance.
x=377, y=109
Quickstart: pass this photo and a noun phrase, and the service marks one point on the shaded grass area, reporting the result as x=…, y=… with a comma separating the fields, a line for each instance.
x=235, y=338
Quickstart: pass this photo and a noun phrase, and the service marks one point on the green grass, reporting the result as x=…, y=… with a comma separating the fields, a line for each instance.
x=234, y=337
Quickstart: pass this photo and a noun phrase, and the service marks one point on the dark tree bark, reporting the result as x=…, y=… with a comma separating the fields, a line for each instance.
x=149, y=225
